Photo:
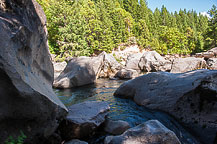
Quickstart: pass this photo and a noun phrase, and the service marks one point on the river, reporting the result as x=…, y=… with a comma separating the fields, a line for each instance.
x=121, y=109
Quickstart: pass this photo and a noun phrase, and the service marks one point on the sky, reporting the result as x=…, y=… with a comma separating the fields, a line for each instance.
x=200, y=6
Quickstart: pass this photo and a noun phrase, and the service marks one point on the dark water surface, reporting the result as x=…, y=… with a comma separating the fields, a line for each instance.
x=121, y=109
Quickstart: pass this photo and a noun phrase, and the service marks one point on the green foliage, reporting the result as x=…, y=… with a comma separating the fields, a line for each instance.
x=19, y=140
x=174, y=41
x=212, y=29
x=87, y=27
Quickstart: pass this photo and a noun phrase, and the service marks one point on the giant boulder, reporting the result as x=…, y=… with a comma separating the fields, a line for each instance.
x=79, y=71
x=133, y=61
x=191, y=97
x=28, y=103
x=181, y=65
x=152, y=61
x=110, y=65
x=150, y=132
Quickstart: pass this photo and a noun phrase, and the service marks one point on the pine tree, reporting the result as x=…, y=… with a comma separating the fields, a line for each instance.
x=212, y=30
x=165, y=16
x=131, y=6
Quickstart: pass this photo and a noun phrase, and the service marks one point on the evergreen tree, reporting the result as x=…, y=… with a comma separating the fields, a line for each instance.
x=165, y=16
x=157, y=20
x=131, y=6
x=212, y=30
x=86, y=27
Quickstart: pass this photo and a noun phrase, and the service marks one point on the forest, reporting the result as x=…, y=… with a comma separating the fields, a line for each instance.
x=88, y=27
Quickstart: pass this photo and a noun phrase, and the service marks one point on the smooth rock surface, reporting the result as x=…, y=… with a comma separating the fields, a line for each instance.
x=83, y=119
x=116, y=127
x=133, y=61
x=28, y=103
x=79, y=71
x=150, y=132
x=127, y=74
x=181, y=65
x=110, y=65
x=76, y=141
x=152, y=61
x=190, y=97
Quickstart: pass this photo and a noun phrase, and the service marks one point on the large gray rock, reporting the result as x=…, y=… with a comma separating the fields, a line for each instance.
x=79, y=71
x=110, y=65
x=152, y=61
x=116, y=127
x=212, y=63
x=181, y=65
x=150, y=132
x=191, y=97
x=28, y=103
x=127, y=74
x=83, y=119
x=133, y=61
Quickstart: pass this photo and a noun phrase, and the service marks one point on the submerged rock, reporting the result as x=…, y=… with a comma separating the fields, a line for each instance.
x=79, y=71
x=181, y=65
x=116, y=127
x=150, y=132
x=28, y=103
x=83, y=119
x=152, y=61
x=190, y=97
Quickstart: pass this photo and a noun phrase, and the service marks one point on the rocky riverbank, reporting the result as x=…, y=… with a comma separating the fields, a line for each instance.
x=122, y=113
x=177, y=88
x=85, y=70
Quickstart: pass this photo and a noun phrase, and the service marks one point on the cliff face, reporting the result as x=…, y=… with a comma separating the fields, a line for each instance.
x=27, y=101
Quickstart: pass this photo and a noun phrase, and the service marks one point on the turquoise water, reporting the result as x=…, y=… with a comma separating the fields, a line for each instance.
x=121, y=109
